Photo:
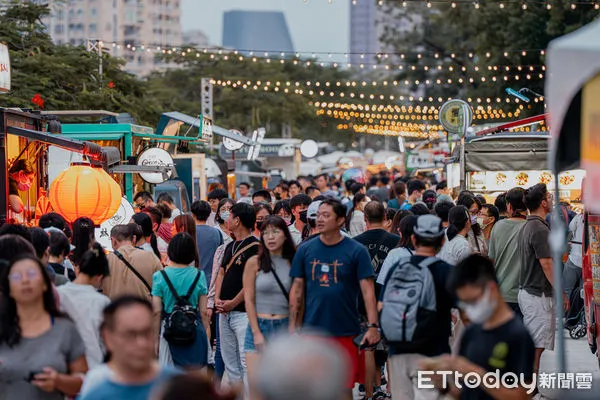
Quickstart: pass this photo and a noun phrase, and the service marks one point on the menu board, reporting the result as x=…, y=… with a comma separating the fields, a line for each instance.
x=506, y=180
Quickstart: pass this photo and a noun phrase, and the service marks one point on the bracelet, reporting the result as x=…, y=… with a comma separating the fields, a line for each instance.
x=372, y=326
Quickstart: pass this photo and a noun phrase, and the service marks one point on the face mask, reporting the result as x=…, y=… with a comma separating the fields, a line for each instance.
x=480, y=312
x=288, y=221
x=277, y=196
x=259, y=224
x=225, y=215
x=473, y=220
x=480, y=221
x=303, y=216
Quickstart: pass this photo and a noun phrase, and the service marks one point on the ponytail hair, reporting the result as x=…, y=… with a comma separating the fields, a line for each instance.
x=358, y=197
x=94, y=262
x=83, y=238
x=458, y=217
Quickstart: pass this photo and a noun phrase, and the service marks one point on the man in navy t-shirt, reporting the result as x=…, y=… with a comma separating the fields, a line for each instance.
x=331, y=270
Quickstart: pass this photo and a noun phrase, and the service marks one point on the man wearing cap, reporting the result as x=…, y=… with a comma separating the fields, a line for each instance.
x=428, y=238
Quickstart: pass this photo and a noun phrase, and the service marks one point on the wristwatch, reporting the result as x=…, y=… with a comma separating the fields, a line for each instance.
x=373, y=326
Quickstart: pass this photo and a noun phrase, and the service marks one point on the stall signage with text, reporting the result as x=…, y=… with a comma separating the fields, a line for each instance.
x=590, y=143
x=4, y=69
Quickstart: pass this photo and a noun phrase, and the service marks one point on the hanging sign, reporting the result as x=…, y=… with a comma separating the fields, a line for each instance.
x=155, y=157
x=121, y=217
x=206, y=127
x=4, y=69
x=456, y=116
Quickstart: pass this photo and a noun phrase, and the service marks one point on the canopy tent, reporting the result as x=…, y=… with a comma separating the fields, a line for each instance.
x=507, y=152
x=572, y=60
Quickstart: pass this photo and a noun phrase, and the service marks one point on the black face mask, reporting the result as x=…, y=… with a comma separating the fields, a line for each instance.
x=259, y=225
x=303, y=216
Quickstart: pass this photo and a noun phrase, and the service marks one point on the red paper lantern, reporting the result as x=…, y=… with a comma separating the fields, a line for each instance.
x=84, y=191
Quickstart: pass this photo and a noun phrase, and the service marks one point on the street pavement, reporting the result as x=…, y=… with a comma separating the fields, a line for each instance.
x=578, y=359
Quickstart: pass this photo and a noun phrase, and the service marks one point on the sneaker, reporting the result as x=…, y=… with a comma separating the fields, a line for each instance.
x=361, y=390
x=380, y=395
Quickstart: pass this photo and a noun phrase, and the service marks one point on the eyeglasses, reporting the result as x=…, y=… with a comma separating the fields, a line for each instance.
x=18, y=276
x=140, y=206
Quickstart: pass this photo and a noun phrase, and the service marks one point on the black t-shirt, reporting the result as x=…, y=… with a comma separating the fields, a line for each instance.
x=59, y=269
x=233, y=278
x=379, y=242
x=507, y=348
x=444, y=303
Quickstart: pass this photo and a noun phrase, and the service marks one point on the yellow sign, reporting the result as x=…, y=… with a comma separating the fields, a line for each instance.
x=590, y=143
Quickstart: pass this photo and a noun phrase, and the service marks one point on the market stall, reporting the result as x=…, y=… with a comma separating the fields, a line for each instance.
x=497, y=163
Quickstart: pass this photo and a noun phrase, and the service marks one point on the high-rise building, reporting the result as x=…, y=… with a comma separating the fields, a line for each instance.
x=256, y=30
x=126, y=23
x=364, y=32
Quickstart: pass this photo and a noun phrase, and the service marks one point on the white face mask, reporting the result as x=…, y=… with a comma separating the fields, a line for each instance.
x=480, y=221
x=225, y=215
x=480, y=312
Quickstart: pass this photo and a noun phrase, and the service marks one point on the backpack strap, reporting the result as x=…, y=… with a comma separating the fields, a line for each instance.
x=428, y=262
x=191, y=289
x=170, y=285
x=130, y=267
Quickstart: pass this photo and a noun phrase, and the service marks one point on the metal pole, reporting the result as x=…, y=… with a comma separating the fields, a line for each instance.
x=558, y=244
x=100, y=69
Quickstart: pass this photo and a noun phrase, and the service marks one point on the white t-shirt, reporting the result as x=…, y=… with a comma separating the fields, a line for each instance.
x=84, y=304
x=576, y=227
x=357, y=223
x=296, y=234
x=174, y=214
x=455, y=250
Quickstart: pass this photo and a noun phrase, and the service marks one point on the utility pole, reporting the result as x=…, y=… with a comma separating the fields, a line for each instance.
x=95, y=46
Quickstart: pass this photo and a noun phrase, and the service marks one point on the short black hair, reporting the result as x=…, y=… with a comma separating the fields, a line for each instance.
x=59, y=244
x=154, y=213
x=420, y=209
x=182, y=249
x=534, y=196
x=515, y=197
x=144, y=196
x=481, y=199
x=338, y=208
x=94, y=262
x=166, y=197
x=324, y=175
x=282, y=205
x=492, y=212
x=14, y=229
x=374, y=212
x=217, y=194
x=144, y=221
x=475, y=270
x=441, y=185
x=39, y=240
x=164, y=210
x=442, y=208
x=294, y=182
x=300, y=199
x=500, y=202
x=310, y=189
x=348, y=185
x=435, y=243
x=356, y=187
x=121, y=233
x=245, y=184
x=415, y=185
x=385, y=179
x=262, y=193
x=119, y=303
x=53, y=220
x=245, y=212
x=263, y=206
x=201, y=210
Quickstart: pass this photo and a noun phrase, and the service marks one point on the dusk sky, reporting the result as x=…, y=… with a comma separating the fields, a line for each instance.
x=315, y=25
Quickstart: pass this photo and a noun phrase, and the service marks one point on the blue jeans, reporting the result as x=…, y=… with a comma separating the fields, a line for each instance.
x=219, y=364
x=268, y=328
x=232, y=333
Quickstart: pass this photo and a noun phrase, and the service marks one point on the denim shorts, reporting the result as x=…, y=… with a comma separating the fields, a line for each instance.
x=268, y=327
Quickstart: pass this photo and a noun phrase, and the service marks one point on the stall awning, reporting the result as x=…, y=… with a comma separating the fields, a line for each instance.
x=88, y=149
x=507, y=153
x=195, y=122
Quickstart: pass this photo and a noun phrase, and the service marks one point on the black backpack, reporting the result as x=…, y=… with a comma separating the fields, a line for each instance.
x=181, y=323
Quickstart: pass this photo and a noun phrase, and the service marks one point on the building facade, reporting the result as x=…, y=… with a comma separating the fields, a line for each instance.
x=126, y=23
x=256, y=30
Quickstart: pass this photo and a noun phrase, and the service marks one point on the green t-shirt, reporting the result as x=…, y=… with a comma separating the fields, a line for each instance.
x=182, y=279
x=503, y=249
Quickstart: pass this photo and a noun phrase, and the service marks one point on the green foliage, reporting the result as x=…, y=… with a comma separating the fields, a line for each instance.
x=65, y=76
x=489, y=29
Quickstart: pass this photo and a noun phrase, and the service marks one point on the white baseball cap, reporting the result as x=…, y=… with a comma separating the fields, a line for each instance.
x=313, y=209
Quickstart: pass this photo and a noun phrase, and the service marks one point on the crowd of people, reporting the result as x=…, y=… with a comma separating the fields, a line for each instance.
x=380, y=280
